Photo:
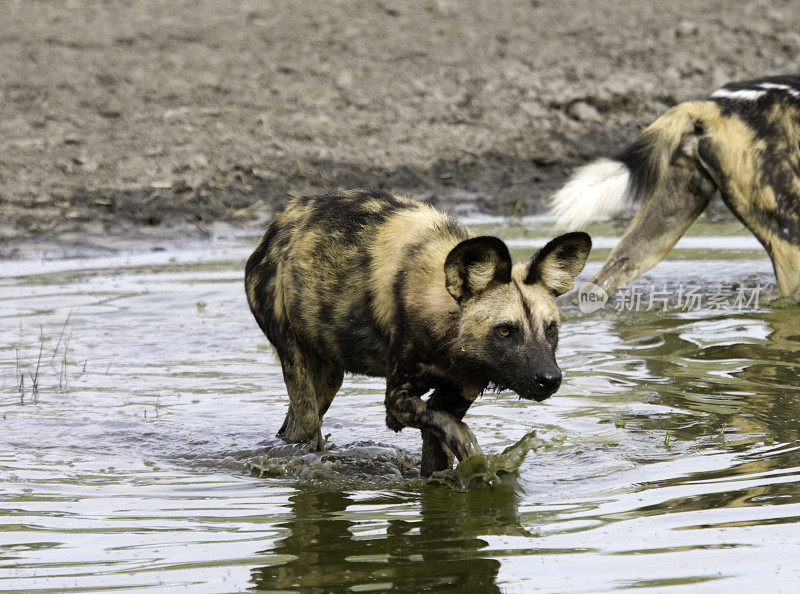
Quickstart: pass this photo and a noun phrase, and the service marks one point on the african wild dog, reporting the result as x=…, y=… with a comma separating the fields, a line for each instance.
x=744, y=141
x=370, y=283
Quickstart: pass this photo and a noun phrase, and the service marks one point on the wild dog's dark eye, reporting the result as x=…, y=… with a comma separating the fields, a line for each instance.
x=503, y=330
x=551, y=329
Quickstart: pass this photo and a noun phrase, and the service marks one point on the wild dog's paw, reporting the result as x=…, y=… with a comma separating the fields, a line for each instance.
x=392, y=423
x=461, y=441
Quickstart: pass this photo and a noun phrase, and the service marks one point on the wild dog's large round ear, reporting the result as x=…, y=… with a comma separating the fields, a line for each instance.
x=475, y=265
x=558, y=263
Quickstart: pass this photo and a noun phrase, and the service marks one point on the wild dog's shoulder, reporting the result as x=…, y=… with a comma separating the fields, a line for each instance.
x=351, y=209
x=760, y=118
x=388, y=222
x=347, y=216
x=758, y=93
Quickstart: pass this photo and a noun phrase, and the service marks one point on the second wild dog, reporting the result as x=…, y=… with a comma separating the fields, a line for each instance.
x=371, y=283
x=743, y=141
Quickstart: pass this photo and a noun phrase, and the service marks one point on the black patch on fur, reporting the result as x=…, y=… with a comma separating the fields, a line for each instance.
x=448, y=397
x=400, y=325
x=644, y=170
x=341, y=211
x=567, y=251
x=260, y=273
x=779, y=163
x=525, y=307
x=325, y=314
x=534, y=274
x=364, y=349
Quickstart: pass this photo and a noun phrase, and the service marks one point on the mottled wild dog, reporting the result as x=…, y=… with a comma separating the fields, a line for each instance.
x=744, y=141
x=375, y=284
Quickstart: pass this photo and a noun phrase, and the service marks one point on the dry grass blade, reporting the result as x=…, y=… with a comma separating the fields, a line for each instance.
x=35, y=375
x=64, y=359
x=60, y=336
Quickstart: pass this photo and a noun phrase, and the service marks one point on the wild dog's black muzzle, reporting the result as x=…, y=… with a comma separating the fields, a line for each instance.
x=548, y=381
x=544, y=384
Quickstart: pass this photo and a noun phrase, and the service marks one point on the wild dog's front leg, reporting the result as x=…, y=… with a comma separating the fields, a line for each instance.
x=405, y=408
x=435, y=455
x=662, y=220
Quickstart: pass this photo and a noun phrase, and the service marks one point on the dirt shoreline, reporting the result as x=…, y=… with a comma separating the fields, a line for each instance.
x=124, y=122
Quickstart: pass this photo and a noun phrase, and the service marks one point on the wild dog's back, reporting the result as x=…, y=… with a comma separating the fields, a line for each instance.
x=326, y=270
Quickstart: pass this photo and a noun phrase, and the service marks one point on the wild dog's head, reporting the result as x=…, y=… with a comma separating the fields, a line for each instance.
x=508, y=325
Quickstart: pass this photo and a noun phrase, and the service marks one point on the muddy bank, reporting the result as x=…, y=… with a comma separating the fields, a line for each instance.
x=144, y=120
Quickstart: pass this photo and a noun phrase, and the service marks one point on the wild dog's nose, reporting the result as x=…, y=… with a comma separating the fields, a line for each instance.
x=549, y=379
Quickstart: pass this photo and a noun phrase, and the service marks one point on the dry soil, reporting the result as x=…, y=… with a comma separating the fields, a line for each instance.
x=126, y=119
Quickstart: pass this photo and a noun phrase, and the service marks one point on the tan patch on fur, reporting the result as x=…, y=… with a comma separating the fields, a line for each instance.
x=539, y=299
x=786, y=261
x=252, y=296
x=427, y=281
x=403, y=229
x=294, y=213
x=479, y=315
x=665, y=134
x=480, y=275
x=302, y=246
x=787, y=118
x=738, y=149
x=373, y=206
x=555, y=276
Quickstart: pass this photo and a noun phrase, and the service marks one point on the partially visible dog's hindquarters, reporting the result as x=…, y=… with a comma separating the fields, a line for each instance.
x=742, y=141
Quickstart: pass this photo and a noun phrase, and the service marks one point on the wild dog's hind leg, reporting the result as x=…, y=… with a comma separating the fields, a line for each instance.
x=662, y=220
x=785, y=254
x=311, y=383
x=328, y=380
x=786, y=262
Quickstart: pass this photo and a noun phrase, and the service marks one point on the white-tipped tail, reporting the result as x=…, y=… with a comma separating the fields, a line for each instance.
x=598, y=189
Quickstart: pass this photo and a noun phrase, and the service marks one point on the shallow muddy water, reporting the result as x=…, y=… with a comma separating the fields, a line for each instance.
x=669, y=459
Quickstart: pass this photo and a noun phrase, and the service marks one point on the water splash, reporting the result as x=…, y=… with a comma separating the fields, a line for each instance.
x=489, y=470
x=369, y=463
x=362, y=462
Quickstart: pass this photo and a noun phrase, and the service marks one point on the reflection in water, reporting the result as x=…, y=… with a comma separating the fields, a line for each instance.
x=439, y=550
x=741, y=390
x=677, y=460
x=742, y=386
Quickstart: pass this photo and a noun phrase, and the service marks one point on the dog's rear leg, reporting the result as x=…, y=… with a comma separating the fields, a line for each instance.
x=662, y=220
x=311, y=384
x=786, y=262
x=327, y=380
